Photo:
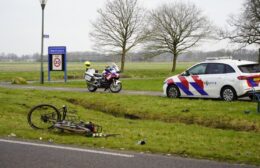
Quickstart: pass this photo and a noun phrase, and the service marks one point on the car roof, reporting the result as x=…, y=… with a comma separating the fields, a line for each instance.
x=229, y=61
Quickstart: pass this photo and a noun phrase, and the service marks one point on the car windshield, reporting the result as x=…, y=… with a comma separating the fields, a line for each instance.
x=251, y=68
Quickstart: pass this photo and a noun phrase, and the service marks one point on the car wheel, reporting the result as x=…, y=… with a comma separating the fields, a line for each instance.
x=173, y=91
x=228, y=94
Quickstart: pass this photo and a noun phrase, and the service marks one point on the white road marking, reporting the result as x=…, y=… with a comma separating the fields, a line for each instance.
x=67, y=148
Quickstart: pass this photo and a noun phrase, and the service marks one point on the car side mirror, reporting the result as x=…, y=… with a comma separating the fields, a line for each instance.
x=186, y=73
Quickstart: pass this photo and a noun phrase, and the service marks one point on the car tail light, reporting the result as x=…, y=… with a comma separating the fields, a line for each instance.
x=256, y=77
x=242, y=77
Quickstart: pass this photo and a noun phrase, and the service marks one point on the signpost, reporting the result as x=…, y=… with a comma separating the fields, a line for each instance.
x=57, y=60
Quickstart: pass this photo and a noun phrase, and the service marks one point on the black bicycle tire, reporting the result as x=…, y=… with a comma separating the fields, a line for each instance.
x=41, y=105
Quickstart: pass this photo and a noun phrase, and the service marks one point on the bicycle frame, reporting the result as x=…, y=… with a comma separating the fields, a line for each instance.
x=64, y=112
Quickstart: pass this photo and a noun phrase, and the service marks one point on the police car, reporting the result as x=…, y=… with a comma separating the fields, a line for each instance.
x=216, y=78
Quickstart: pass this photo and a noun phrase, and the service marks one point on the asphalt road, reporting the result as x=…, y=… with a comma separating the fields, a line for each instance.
x=25, y=154
x=66, y=89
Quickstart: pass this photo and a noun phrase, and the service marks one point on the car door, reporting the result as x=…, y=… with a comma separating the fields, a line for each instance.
x=194, y=77
x=215, y=79
x=218, y=76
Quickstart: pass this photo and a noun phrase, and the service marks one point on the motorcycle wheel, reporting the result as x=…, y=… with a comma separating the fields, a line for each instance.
x=91, y=88
x=115, y=88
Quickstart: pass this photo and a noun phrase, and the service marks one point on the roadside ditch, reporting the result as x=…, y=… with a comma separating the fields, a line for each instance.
x=221, y=122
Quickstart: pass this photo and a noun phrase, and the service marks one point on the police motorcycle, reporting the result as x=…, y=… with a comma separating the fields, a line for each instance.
x=109, y=79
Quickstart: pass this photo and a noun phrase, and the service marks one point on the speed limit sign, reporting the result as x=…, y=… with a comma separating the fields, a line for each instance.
x=56, y=62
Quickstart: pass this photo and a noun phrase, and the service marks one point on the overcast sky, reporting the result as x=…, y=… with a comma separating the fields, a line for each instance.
x=68, y=22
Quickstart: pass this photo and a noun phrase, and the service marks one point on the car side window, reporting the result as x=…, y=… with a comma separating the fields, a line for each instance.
x=198, y=69
x=229, y=69
x=215, y=68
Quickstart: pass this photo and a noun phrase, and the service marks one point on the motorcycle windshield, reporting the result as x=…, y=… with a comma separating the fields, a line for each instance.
x=115, y=67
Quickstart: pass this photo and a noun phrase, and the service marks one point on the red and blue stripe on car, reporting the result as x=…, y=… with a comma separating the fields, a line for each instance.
x=198, y=85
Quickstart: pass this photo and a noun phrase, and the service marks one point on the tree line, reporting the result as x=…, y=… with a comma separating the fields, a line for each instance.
x=142, y=56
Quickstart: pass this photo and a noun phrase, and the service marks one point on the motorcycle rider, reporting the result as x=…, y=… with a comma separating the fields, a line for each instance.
x=88, y=67
x=92, y=72
x=87, y=64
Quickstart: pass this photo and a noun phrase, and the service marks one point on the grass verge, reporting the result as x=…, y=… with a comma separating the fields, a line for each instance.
x=162, y=137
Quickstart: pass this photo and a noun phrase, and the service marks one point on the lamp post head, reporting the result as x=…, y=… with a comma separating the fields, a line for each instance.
x=43, y=3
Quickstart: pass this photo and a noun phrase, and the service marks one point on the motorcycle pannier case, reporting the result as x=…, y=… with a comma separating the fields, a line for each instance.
x=89, y=75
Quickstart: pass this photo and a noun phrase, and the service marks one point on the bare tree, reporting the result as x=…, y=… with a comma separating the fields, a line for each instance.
x=120, y=27
x=177, y=27
x=245, y=28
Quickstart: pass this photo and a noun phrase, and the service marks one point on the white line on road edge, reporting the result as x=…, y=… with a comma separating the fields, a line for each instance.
x=67, y=148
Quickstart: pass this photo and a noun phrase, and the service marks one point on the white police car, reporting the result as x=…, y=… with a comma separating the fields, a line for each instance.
x=215, y=78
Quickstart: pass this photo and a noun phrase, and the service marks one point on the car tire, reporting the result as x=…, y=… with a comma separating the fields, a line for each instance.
x=228, y=93
x=173, y=91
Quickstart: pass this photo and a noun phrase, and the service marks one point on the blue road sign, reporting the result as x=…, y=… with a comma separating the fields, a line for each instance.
x=57, y=50
x=57, y=60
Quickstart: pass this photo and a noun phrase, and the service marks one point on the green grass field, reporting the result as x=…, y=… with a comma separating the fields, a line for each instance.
x=143, y=76
x=31, y=71
x=209, y=129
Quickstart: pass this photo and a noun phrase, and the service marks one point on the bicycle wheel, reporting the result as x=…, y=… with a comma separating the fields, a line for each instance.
x=43, y=116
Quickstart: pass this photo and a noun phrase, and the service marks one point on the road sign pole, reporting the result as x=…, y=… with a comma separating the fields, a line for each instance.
x=49, y=69
x=65, y=66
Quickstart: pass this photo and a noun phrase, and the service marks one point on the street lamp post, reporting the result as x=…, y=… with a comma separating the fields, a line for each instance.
x=43, y=4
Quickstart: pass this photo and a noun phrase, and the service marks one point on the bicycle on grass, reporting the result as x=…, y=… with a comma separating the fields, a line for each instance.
x=46, y=116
